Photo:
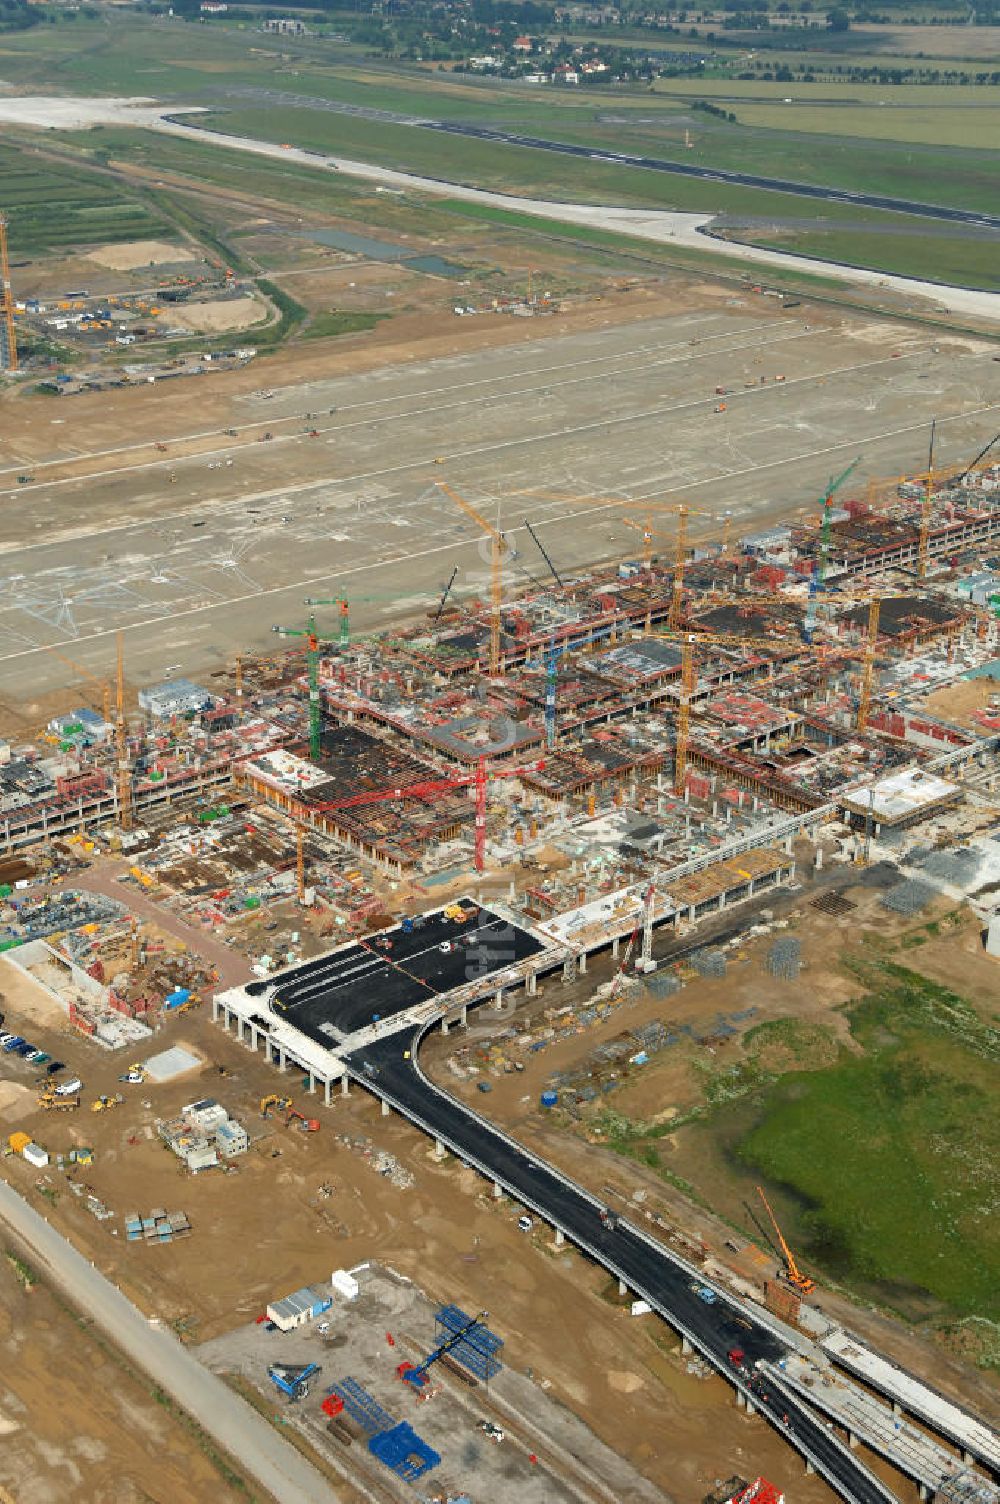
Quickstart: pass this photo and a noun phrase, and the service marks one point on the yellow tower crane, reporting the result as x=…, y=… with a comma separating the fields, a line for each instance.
x=497, y=550
x=8, y=343
x=868, y=669
x=124, y=780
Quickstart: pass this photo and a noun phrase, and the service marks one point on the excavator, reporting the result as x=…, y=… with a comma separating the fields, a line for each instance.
x=281, y=1104
x=306, y=1125
x=793, y=1273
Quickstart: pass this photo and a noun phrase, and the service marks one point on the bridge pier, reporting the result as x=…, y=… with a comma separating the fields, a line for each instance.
x=622, y=1287
x=439, y=1149
x=239, y=1028
x=740, y=1397
x=312, y=1083
x=560, y=1237
x=809, y=1468
x=215, y=1010
x=582, y=963
x=444, y=1026
x=326, y=1091
x=253, y=1038
x=687, y=1349
x=497, y=1190
x=465, y=1015
x=385, y=1108
x=267, y=1049
x=615, y=947
x=281, y=1058
x=345, y=1086
x=531, y=985
x=751, y=1408
x=852, y=1441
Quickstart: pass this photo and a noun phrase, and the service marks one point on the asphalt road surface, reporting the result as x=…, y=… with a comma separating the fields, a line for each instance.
x=334, y=995
x=714, y=1325
x=720, y=175
x=276, y=1466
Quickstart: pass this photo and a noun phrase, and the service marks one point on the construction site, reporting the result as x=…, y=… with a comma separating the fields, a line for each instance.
x=434, y=721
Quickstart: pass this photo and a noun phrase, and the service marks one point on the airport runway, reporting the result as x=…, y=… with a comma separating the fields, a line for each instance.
x=200, y=569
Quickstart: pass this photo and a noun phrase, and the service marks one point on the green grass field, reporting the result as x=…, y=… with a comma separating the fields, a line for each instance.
x=888, y=1159
x=966, y=262
x=50, y=208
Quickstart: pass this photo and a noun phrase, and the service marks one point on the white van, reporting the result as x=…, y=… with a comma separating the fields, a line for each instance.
x=70, y=1088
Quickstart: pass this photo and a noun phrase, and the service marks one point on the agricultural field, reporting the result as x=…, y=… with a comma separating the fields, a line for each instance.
x=56, y=209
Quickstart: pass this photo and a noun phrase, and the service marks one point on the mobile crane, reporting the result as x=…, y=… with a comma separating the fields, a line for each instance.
x=793, y=1273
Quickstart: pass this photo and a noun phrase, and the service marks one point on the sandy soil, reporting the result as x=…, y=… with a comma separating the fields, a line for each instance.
x=80, y=1425
x=217, y=316
x=33, y=1003
x=956, y=702
x=123, y=258
x=16, y=1101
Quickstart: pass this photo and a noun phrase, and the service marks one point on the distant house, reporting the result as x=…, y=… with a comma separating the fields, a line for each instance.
x=522, y=44
x=213, y=7
x=562, y=73
x=286, y=26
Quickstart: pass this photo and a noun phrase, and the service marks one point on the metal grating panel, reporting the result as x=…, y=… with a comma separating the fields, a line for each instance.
x=477, y=1351
x=362, y=1407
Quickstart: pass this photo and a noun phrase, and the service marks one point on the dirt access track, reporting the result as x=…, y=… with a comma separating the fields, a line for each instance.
x=197, y=557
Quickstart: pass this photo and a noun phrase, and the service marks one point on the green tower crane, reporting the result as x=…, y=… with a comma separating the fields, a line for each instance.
x=312, y=666
x=345, y=621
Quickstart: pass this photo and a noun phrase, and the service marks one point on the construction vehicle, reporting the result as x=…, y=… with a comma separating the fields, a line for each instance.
x=293, y=1379
x=105, y=1104
x=307, y=1125
x=793, y=1273
x=281, y=1104
x=51, y=1103
x=134, y=1076
x=417, y=1375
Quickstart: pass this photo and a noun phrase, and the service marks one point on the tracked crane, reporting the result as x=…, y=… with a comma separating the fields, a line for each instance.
x=793, y=1273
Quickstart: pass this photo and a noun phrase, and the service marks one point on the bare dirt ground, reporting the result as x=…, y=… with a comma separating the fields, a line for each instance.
x=956, y=702
x=76, y=1424
x=979, y=42
x=136, y=253
x=220, y=314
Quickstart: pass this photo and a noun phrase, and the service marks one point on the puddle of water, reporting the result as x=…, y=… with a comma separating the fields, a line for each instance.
x=386, y=250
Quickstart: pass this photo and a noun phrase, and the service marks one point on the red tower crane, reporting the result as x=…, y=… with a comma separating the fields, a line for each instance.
x=431, y=787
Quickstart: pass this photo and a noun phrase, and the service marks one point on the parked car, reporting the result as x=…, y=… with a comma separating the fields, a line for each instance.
x=525, y=1224
x=24, y=1049
x=12, y=1043
x=54, y=1068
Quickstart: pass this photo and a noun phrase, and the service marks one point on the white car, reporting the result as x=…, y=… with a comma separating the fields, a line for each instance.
x=525, y=1224
x=70, y=1088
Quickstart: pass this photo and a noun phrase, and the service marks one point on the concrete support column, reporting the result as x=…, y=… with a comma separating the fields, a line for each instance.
x=560, y=1237
x=923, y=1491
x=968, y=1458
x=740, y=1400
x=897, y=1408
x=751, y=1408
x=788, y=845
x=312, y=1083
x=444, y=1026
x=497, y=1190
x=267, y=1049
x=818, y=864
x=809, y=1468
x=326, y=1091
x=582, y=963
x=215, y=1010
x=622, y=1287
x=345, y=1086
x=532, y=983
x=686, y=1348
x=439, y=1149
x=239, y=1028
x=281, y=1059
x=385, y=1108
x=464, y=1015
x=852, y=1441
x=253, y=1038
x=615, y=947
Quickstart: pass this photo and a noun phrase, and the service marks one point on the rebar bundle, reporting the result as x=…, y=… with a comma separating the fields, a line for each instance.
x=784, y=958
x=908, y=897
x=709, y=963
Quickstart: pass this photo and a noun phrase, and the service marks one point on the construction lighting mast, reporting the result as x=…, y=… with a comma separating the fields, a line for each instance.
x=8, y=344
x=793, y=1273
x=497, y=550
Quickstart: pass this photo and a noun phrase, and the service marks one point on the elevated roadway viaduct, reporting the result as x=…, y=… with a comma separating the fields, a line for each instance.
x=390, y=1069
